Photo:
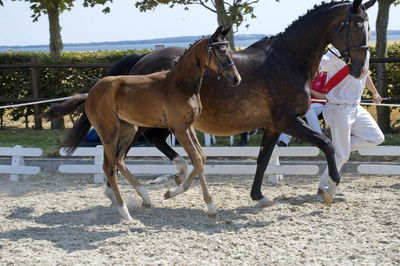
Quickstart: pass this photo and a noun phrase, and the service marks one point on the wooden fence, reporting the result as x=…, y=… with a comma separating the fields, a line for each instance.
x=35, y=67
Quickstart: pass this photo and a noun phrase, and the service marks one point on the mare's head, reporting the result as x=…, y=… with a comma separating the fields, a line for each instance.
x=220, y=57
x=352, y=36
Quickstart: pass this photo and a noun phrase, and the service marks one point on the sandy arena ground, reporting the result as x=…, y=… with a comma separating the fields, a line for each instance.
x=59, y=219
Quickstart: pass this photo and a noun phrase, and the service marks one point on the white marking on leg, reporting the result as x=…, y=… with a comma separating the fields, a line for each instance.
x=181, y=165
x=110, y=194
x=176, y=191
x=123, y=211
x=212, y=210
x=141, y=190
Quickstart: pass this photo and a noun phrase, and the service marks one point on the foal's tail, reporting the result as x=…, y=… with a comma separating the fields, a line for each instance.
x=66, y=107
x=76, y=134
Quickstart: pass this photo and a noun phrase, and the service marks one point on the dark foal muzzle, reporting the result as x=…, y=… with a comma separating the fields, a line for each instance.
x=211, y=52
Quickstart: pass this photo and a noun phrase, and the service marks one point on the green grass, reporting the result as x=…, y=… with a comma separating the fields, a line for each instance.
x=49, y=140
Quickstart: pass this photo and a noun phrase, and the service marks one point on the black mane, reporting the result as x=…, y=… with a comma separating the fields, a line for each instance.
x=311, y=12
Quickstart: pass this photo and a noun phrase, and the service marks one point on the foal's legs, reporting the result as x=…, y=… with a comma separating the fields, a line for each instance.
x=299, y=129
x=266, y=149
x=109, y=166
x=212, y=211
x=157, y=137
x=131, y=136
x=184, y=137
x=127, y=135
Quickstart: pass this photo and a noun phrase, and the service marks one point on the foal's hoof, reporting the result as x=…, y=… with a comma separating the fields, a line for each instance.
x=124, y=213
x=147, y=205
x=167, y=195
x=212, y=217
x=179, y=179
x=264, y=202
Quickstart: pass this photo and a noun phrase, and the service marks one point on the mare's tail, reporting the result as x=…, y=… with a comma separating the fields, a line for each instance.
x=76, y=133
x=64, y=108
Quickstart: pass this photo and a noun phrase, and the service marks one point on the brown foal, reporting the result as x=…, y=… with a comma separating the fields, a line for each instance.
x=118, y=106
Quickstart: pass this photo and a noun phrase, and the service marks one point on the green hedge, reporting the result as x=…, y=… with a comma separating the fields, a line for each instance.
x=393, y=70
x=15, y=83
x=56, y=82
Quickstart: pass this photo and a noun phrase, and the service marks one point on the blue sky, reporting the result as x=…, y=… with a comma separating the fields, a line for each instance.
x=125, y=22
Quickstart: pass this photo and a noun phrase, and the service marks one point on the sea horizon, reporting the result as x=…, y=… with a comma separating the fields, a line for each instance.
x=241, y=40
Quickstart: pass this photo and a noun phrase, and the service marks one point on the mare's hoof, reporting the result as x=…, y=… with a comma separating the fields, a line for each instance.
x=264, y=202
x=167, y=195
x=327, y=197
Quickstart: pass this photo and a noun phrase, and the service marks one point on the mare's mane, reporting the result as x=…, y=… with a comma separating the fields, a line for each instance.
x=268, y=40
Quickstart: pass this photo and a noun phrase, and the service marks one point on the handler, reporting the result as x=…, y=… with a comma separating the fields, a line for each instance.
x=352, y=127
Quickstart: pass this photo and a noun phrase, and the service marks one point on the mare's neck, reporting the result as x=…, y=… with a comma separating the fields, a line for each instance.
x=303, y=43
x=189, y=71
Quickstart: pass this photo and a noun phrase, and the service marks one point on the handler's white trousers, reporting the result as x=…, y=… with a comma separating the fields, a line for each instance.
x=352, y=128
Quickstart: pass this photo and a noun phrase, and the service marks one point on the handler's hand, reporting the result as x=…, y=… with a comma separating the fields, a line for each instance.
x=376, y=97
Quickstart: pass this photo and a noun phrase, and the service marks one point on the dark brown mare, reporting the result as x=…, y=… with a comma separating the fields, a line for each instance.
x=118, y=105
x=272, y=94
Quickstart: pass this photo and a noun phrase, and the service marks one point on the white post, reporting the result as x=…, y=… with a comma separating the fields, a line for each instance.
x=98, y=160
x=16, y=160
x=207, y=140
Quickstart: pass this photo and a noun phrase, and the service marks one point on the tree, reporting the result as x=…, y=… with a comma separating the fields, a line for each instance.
x=53, y=9
x=229, y=13
x=383, y=113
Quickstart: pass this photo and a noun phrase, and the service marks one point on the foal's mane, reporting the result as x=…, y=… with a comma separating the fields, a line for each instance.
x=185, y=52
x=318, y=9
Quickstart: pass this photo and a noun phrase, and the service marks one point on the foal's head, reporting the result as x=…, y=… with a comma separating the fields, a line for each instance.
x=351, y=38
x=220, y=57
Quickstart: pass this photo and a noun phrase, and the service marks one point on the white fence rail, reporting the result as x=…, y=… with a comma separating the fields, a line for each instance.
x=379, y=169
x=17, y=167
x=274, y=170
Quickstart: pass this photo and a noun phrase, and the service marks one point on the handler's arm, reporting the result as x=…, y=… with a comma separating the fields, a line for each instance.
x=318, y=95
x=371, y=87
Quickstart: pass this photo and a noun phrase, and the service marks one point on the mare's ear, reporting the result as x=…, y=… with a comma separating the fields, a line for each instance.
x=226, y=31
x=369, y=4
x=356, y=5
x=216, y=33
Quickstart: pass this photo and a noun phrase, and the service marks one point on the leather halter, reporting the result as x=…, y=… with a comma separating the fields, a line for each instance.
x=345, y=56
x=212, y=52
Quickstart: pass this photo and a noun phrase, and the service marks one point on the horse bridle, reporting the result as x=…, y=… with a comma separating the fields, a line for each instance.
x=345, y=56
x=211, y=52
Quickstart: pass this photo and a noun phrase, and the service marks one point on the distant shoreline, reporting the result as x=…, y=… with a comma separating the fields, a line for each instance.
x=241, y=40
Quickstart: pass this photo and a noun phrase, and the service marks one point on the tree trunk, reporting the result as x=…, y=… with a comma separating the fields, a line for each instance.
x=56, y=44
x=56, y=47
x=224, y=20
x=383, y=113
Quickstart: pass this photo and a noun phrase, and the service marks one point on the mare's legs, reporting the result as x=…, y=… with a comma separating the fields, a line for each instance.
x=157, y=136
x=185, y=138
x=299, y=129
x=266, y=149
